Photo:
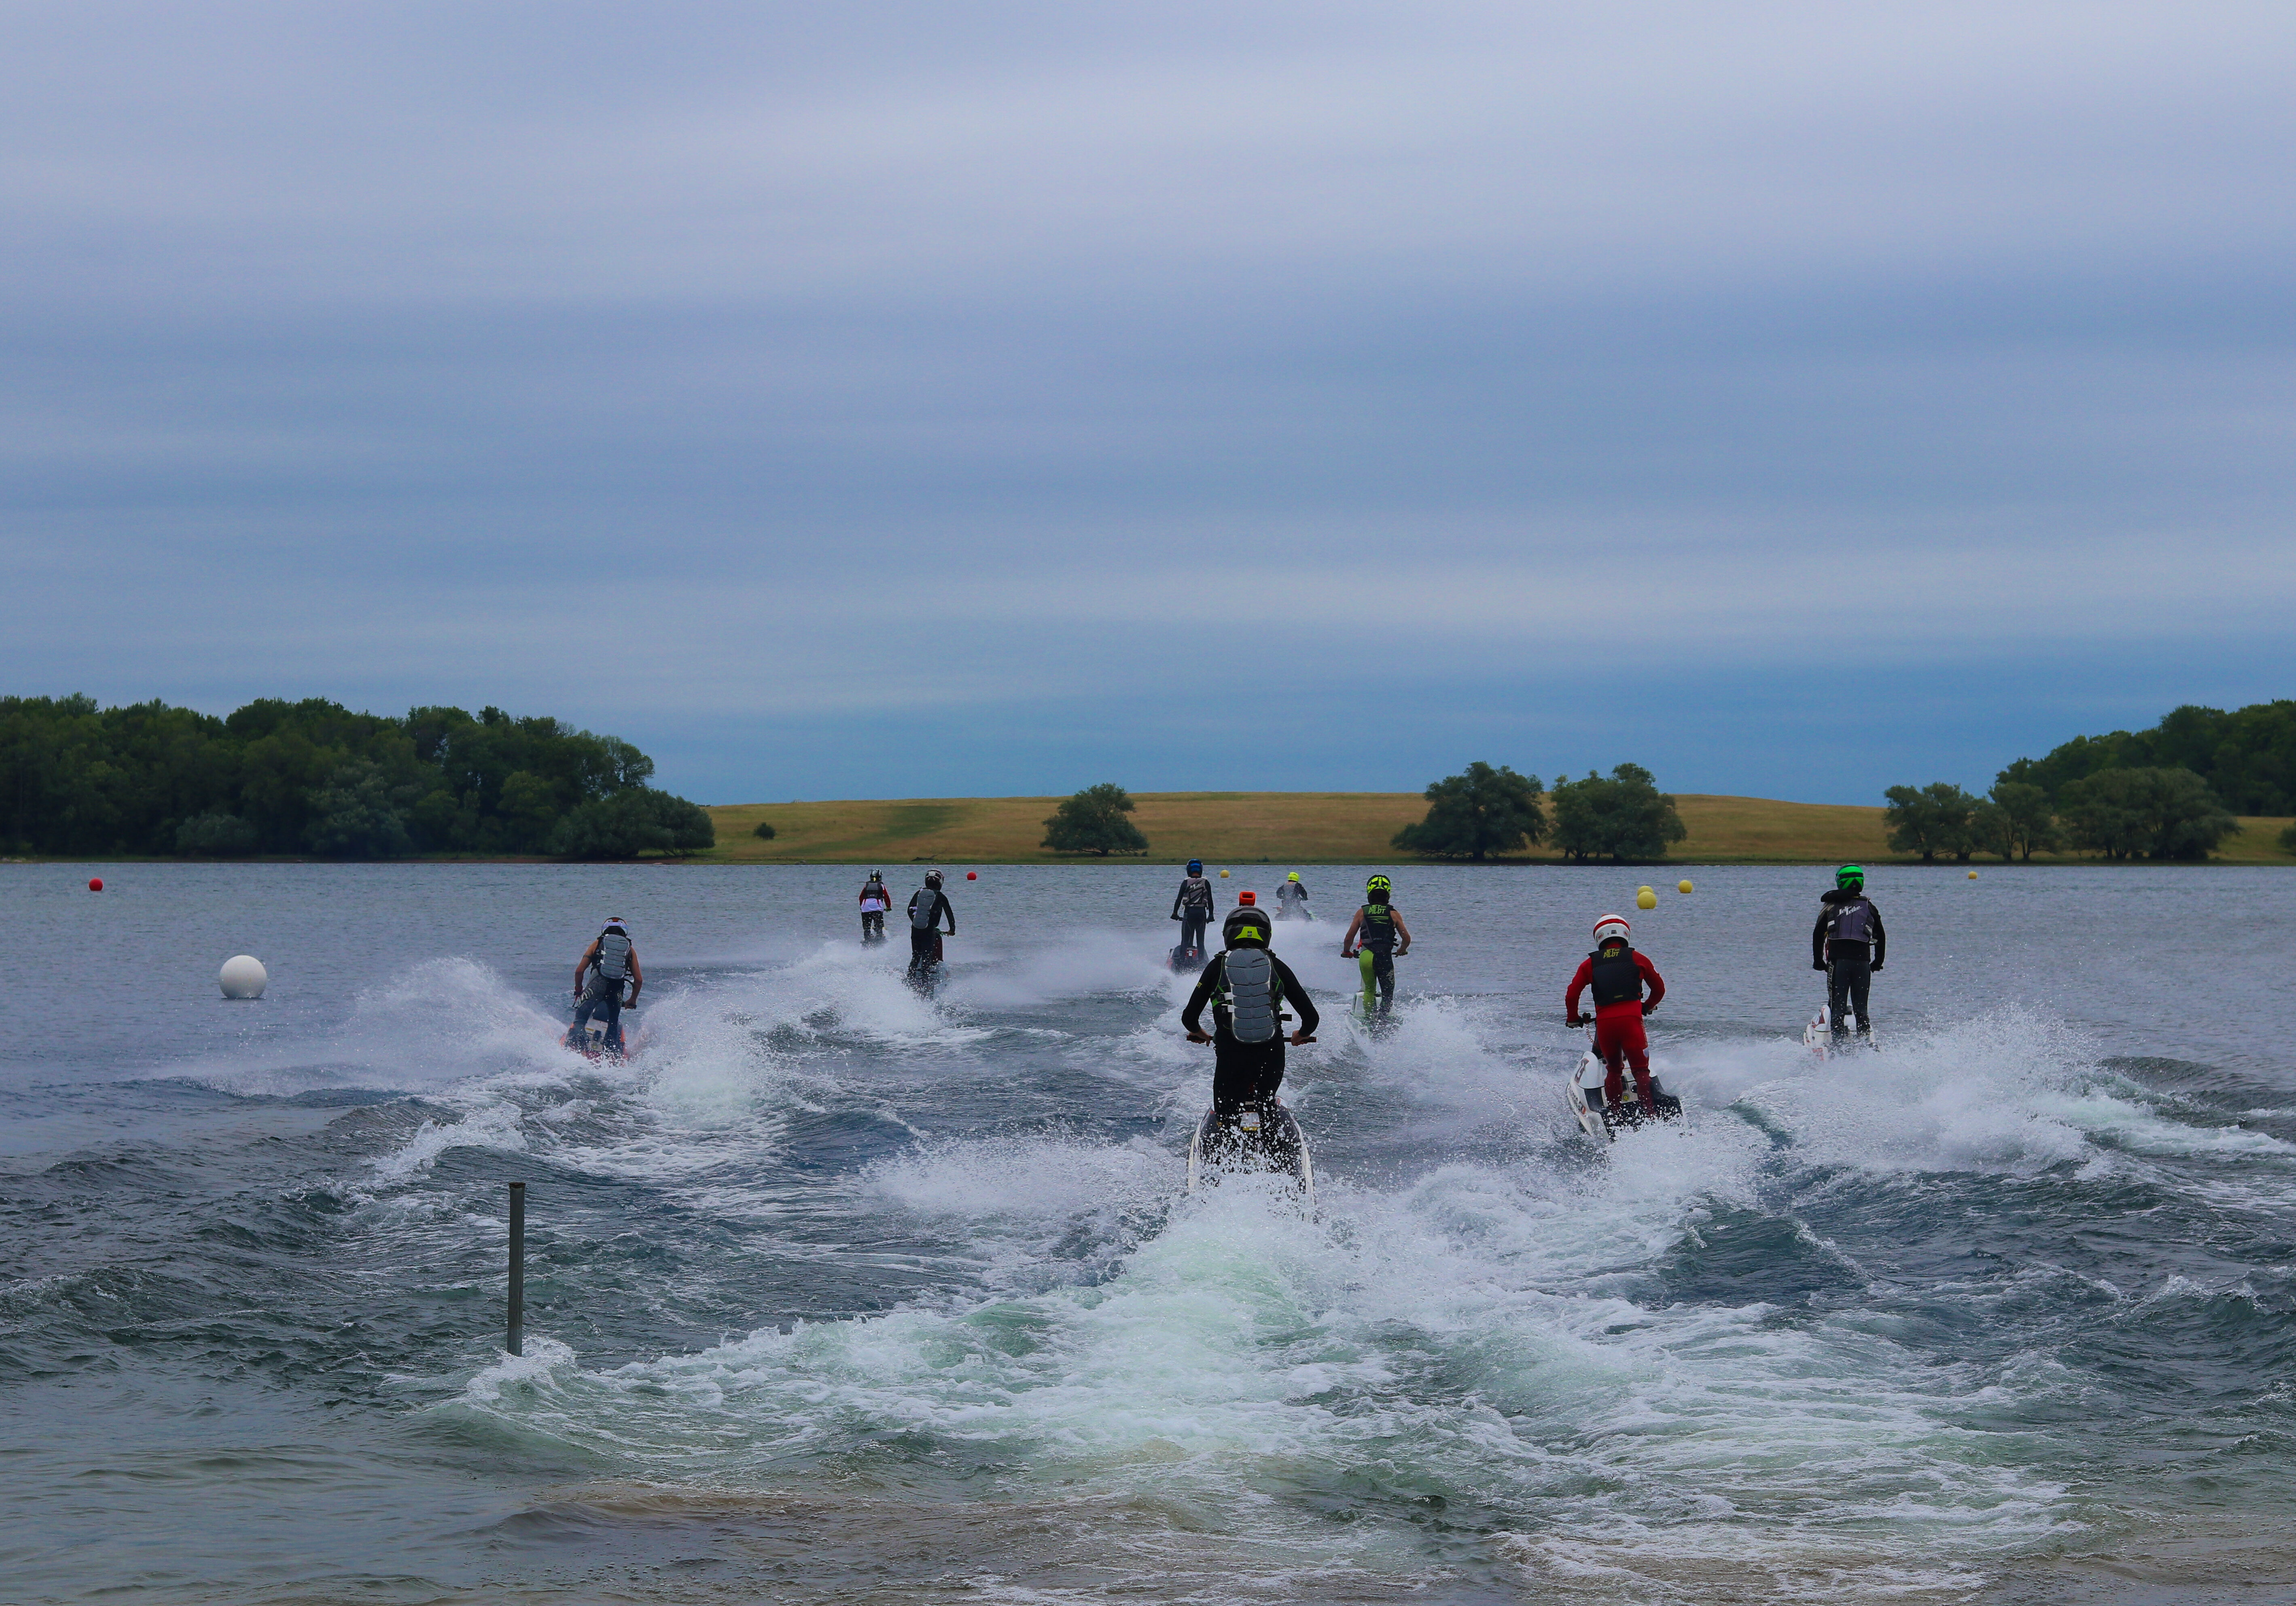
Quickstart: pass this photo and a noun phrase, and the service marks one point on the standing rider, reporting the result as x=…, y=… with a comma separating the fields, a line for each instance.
x=875, y=901
x=1618, y=973
x=1374, y=933
x=1848, y=943
x=1292, y=898
x=927, y=904
x=1248, y=988
x=1192, y=906
x=610, y=959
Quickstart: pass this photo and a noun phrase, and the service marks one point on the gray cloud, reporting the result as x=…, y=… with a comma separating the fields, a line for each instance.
x=759, y=372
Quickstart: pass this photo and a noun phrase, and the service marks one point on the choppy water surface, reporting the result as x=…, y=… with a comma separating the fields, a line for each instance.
x=841, y=1293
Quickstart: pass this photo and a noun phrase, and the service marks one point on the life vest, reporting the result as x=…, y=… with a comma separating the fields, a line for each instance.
x=1248, y=992
x=925, y=914
x=1196, y=893
x=614, y=955
x=874, y=897
x=1852, y=923
x=1617, y=980
x=1378, y=930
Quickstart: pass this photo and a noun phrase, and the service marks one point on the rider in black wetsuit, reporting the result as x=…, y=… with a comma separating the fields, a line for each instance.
x=1247, y=1035
x=611, y=959
x=1192, y=905
x=927, y=905
x=1848, y=943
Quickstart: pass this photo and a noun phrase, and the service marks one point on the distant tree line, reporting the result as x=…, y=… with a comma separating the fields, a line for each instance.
x=313, y=777
x=2171, y=792
x=1485, y=812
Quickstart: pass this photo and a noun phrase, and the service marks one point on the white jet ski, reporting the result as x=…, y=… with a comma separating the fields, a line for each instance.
x=1817, y=1036
x=1602, y=1120
x=1250, y=1137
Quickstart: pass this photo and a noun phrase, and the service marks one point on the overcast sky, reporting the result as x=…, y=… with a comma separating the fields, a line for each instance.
x=938, y=399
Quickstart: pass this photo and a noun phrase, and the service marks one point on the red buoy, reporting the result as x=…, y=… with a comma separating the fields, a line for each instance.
x=95, y=883
x=973, y=875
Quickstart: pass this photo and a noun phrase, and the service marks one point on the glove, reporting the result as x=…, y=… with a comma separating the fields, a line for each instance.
x=1817, y=964
x=1647, y=1008
x=1175, y=917
x=1877, y=970
x=1574, y=1021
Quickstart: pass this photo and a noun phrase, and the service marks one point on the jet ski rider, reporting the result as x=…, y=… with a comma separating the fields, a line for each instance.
x=1618, y=975
x=1848, y=943
x=1192, y=906
x=1375, y=930
x=610, y=959
x=875, y=900
x=1292, y=898
x=927, y=904
x=1249, y=990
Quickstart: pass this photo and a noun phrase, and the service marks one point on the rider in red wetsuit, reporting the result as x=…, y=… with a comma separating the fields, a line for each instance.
x=1618, y=973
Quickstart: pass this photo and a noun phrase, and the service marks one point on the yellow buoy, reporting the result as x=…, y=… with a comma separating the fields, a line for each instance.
x=1972, y=875
x=1646, y=899
x=1683, y=888
x=1223, y=875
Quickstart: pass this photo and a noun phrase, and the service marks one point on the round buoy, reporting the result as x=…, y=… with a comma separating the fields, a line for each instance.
x=1972, y=875
x=1683, y=888
x=95, y=883
x=1223, y=875
x=973, y=875
x=1646, y=899
x=242, y=976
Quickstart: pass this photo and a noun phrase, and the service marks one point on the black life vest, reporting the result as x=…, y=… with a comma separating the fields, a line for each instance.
x=1852, y=921
x=1617, y=979
x=1378, y=930
x=1196, y=893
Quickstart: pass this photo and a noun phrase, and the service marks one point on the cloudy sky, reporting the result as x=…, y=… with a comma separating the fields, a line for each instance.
x=931, y=399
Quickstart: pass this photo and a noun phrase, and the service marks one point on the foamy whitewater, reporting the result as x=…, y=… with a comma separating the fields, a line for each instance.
x=841, y=1292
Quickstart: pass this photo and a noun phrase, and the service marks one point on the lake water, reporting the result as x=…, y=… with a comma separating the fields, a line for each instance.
x=841, y=1293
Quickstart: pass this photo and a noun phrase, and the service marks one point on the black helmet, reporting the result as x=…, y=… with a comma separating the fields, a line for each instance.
x=1246, y=926
x=932, y=878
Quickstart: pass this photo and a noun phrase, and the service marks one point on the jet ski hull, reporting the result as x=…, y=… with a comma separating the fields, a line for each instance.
x=1602, y=1120
x=1251, y=1138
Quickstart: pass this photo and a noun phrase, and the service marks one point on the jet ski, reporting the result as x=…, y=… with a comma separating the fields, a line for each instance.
x=1186, y=959
x=1602, y=1121
x=1250, y=1137
x=595, y=1040
x=1817, y=1036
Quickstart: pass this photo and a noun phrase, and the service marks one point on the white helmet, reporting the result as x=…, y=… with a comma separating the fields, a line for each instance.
x=1609, y=927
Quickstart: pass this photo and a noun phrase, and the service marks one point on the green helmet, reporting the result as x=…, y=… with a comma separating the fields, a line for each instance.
x=1849, y=875
x=1379, y=883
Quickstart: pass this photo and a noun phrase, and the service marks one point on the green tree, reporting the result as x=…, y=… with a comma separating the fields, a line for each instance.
x=1937, y=818
x=1620, y=818
x=1093, y=821
x=764, y=832
x=2145, y=813
x=2288, y=838
x=356, y=816
x=2246, y=757
x=634, y=821
x=215, y=836
x=2018, y=821
x=1477, y=814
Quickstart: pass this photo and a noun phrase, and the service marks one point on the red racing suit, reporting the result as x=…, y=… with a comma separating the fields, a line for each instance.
x=1618, y=1035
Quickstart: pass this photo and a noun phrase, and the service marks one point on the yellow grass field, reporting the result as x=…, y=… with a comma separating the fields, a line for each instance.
x=1292, y=828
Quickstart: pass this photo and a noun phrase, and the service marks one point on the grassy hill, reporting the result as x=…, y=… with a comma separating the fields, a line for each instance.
x=1294, y=828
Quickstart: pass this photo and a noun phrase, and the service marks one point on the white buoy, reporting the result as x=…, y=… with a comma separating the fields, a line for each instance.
x=243, y=977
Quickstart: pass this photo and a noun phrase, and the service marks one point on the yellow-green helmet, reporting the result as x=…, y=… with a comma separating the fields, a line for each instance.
x=1293, y=876
x=1379, y=883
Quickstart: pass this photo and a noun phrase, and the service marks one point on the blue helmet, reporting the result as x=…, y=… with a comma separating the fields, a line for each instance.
x=1196, y=866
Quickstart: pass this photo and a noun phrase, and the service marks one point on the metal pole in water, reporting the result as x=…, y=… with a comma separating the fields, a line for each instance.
x=517, y=1268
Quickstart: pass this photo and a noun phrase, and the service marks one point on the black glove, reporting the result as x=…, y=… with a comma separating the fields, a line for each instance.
x=1574, y=1021
x=1877, y=970
x=1817, y=964
x=1647, y=1008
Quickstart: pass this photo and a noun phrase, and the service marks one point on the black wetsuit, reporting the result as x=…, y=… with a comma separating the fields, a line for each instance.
x=1246, y=1073
x=1192, y=907
x=925, y=936
x=1848, y=962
